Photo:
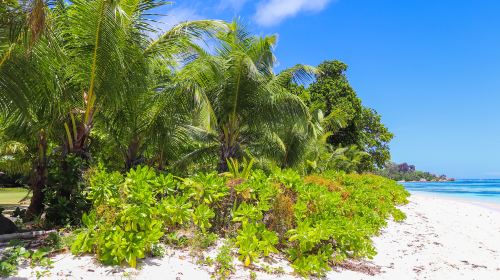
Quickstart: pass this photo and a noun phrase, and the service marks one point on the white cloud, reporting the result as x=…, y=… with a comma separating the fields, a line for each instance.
x=175, y=16
x=272, y=12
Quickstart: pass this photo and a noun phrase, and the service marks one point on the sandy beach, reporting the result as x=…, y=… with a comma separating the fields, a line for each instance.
x=441, y=239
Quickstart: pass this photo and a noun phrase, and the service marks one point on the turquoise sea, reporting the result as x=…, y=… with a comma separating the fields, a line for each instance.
x=482, y=190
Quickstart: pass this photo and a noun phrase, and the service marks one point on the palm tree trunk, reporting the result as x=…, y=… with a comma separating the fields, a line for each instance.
x=229, y=144
x=132, y=153
x=80, y=143
x=226, y=152
x=39, y=178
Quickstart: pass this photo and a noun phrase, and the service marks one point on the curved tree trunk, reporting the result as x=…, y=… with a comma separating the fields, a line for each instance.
x=38, y=178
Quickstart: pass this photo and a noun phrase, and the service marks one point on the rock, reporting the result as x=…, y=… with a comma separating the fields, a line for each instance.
x=6, y=225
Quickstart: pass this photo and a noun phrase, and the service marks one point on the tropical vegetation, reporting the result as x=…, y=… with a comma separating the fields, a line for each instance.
x=127, y=133
x=315, y=220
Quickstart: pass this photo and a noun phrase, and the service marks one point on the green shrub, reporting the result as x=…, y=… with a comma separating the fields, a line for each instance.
x=201, y=217
x=203, y=240
x=175, y=240
x=125, y=222
x=255, y=241
x=336, y=215
x=317, y=220
x=54, y=240
x=175, y=210
x=11, y=259
x=206, y=188
x=65, y=200
x=103, y=186
x=247, y=213
x=157, y=251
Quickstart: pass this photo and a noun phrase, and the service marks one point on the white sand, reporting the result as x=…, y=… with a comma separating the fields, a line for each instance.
x=441, y=239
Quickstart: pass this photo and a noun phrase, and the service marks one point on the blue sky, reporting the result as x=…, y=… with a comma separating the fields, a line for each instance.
x=430, y=68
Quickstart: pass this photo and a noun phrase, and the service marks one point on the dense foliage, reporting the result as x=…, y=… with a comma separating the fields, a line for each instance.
x=316, y=220
x=99, y=109
x=347, y=121
x=94, y=79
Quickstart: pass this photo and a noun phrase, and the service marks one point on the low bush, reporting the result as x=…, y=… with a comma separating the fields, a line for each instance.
x=126, y=221
x=316, y=220
x=255, y=241
x=64, y=194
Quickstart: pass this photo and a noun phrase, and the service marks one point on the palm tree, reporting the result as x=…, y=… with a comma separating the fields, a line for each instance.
x=243, y=95
x=21, y=24
x=156, y=111
x=288, y=144
x=30, y=65
x=92, y=57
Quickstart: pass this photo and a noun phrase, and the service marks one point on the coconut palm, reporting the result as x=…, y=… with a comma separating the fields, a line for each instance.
x=289, y=142
x=112, y=54
x=21, y=24
x=245, y=99
x=93, y=57
x=30, y=82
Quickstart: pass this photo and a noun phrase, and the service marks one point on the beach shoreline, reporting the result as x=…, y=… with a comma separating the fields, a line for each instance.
x=442, y=238
x=484, y=203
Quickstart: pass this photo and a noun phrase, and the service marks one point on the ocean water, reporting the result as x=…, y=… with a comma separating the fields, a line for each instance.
x=472, y=189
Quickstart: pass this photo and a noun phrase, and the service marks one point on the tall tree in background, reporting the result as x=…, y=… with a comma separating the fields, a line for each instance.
x=375, y=139
x=348, y=121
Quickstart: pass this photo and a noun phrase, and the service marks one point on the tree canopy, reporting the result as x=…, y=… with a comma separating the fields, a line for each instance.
x=349, y=122
x=95, y=81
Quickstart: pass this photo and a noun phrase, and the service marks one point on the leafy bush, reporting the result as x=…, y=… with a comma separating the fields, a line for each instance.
x=11, y=259
x=64, y=195
x=203, y=240
x=175, y=210
x=338, y=213
x=206, y=188
x=157, y=251
x=125, y=222
x=282, y=216
x=202, y=215
x=316, y=220
x=175, y=240
x=255, y=241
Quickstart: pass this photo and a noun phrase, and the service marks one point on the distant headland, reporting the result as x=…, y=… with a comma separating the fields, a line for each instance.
x=405, y=172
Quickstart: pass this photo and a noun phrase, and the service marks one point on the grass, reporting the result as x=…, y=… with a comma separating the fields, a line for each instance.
x=11, y=197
